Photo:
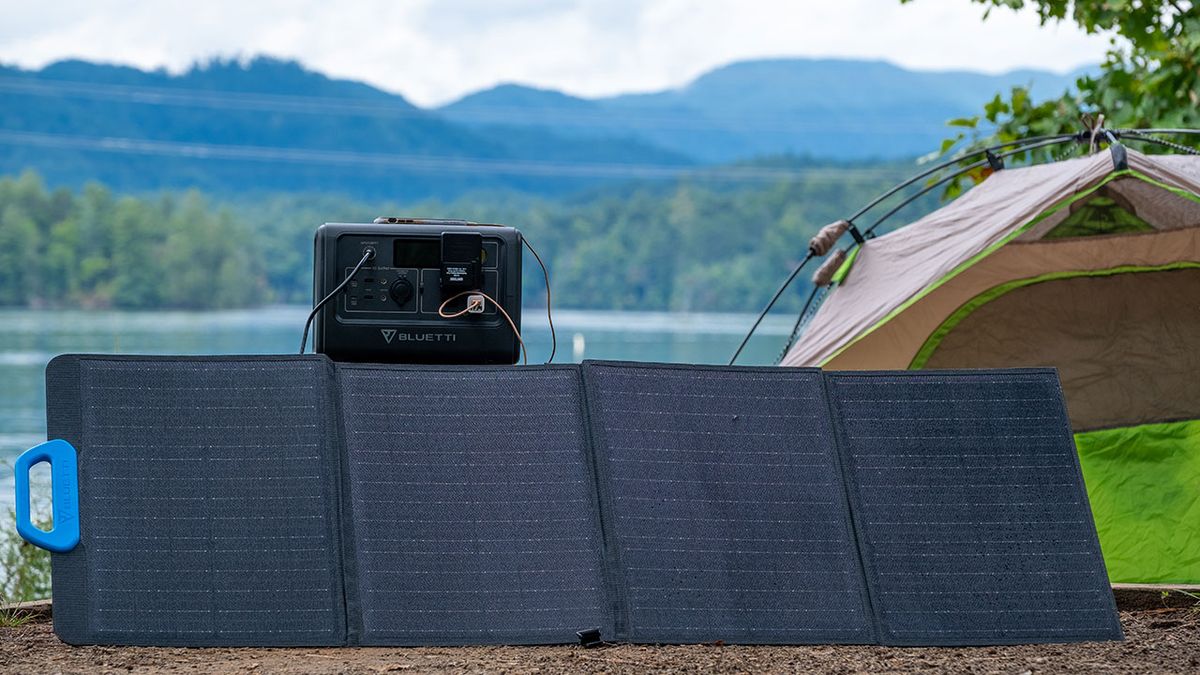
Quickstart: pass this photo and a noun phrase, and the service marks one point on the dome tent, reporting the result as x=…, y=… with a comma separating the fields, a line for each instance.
x=1091, y=265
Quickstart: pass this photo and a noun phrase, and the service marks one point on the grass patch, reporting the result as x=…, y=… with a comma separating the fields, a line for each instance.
x=14, y=618
x=24, y=568
x=1195, y=608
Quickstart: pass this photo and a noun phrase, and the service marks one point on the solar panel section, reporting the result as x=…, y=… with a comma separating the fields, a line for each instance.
x=473, y=514
x=208, y=502
x=971, y=512
x=725, y=505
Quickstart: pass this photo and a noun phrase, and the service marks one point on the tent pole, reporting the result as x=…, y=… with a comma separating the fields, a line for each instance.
x=762, y=315
x=1181, y=132
x=1158, y=141
x=976, y=165
x=1035, y=141
x=925, y=190
x=957, y=158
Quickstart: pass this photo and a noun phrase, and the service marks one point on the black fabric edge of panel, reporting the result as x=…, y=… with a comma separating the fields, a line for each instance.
x=654, y=365
x=189, y=358
x=70, y=624
x=840, y=450
x=1081, y=492
x=347, y=542
x=871, y=630
x=343, y=537
x=618, y=584
x=597, y=516
x=865, y=554
x=68, y=570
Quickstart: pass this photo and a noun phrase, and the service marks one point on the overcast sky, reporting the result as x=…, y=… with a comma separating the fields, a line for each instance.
x=436, y=50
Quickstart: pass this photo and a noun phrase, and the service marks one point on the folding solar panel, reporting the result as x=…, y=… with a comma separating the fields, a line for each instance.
x=728, y=512
x=474, y=510
x=289, y=501
x=971, y=511
x=207, y=498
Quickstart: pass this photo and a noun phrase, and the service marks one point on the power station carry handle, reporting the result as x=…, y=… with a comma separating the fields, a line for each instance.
x=64, y=488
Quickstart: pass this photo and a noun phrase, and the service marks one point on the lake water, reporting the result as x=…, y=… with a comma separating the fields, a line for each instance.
x=29, y=339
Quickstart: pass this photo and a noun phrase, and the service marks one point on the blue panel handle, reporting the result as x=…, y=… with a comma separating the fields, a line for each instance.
x=64, y=488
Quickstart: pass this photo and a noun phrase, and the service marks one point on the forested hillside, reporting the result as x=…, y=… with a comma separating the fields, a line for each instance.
x=681, y=245
x=202, y=189
x=231, y=127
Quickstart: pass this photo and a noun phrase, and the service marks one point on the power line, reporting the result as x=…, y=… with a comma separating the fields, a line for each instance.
x=212, y=99
x=617, y=118
x=433, y=163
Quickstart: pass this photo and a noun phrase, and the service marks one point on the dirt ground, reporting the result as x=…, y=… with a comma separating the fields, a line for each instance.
x=1157, y=640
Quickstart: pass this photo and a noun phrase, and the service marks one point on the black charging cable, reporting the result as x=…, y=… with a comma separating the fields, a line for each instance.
x=367, y=255
x=775, y=298
x=549, y=318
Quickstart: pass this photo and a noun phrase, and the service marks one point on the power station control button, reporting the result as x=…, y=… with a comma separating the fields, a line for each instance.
x=401, y=291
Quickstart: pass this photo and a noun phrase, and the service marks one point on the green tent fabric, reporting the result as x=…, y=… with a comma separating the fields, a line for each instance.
x=1144, y=486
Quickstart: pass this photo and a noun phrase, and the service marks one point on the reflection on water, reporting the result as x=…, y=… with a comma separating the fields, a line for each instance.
x=28, y=340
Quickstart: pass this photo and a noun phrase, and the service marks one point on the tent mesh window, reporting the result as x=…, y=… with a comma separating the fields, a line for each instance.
x=1100, y=215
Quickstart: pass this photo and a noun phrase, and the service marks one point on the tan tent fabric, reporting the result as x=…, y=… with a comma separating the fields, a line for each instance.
x=1126, y=345
x=895, y=343
x=1163, y=209
x=1181, y=171
x=894, y=269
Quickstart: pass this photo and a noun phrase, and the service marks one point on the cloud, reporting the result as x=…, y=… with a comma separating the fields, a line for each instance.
x=433, y=51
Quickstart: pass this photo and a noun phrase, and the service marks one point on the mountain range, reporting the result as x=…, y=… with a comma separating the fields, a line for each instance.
x=826, y=108
x=269, y=125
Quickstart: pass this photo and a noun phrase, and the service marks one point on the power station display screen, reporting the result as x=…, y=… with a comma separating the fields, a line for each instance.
x=417, y=253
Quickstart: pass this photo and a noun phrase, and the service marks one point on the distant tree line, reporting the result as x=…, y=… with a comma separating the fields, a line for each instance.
x=659, y=246
x=94, y=249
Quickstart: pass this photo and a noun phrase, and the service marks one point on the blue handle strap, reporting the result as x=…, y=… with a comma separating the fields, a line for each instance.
x=64, y=488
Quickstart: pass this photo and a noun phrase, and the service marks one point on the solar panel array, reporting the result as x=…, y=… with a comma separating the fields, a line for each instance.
x=284, y=501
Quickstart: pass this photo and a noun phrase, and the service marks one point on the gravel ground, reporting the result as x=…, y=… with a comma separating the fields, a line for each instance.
x=1157, y=640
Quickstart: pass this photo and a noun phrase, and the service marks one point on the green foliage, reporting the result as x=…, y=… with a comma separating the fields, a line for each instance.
x=1149, y=78
x=687, y=246
x=24, y=568
x=94, y=250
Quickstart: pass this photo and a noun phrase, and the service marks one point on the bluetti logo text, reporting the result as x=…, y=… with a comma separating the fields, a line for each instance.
x=391, y=335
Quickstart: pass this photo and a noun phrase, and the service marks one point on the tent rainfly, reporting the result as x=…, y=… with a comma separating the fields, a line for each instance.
x=1091, y=265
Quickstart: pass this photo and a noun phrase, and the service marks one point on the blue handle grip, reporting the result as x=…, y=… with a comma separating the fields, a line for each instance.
x=64, y=488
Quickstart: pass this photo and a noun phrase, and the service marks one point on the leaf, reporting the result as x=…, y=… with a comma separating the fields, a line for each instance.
x=1149, y=78
x=995, y=108
x=1020, y=99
